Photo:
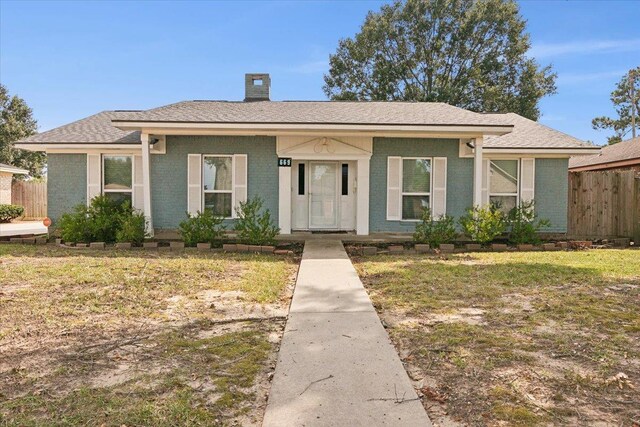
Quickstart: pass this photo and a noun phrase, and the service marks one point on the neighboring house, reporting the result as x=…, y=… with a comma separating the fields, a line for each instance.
x=359, y=166
x=624, y=155
x=6, y=178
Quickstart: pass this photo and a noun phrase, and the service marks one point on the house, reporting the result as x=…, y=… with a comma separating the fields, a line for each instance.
x=6, y=178
x=366, y=167
x=624, y=155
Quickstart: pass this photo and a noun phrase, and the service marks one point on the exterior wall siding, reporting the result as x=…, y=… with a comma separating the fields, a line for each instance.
x=5, y=188
x=169, y=173
x=66, y=183
x=459, y=178
x=552, y=192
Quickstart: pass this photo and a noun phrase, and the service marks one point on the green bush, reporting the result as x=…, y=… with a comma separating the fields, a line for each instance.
x=10, y=212
x=204, y=227
x=254, y=227
x=523, y=225
x=482, y=225
x=76, y=226
x=435, y=231
x=99, y=222
x=132, y=228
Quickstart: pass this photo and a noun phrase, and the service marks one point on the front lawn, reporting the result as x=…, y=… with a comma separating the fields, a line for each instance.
x=516, y=338
x=137, y=337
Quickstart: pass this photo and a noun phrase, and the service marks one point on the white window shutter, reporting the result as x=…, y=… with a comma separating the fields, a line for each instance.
x=439, y=192
x=240, y=167
x=94, y=176
x=485, y=182
x=394, y=188
x=527, y=179
x=138, y=188
x=194, y=183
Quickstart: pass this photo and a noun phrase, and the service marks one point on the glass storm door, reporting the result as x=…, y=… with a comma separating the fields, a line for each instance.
x=323, y=201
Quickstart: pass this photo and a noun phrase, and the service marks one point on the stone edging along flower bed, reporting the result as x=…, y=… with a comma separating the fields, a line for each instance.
x=494, y=247
x=155, y=245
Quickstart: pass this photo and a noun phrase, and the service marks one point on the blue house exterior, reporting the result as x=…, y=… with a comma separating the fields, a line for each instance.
x=361, y=167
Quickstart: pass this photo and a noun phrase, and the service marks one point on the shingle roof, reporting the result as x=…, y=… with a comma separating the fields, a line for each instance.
x=625, y=150
x=530, y=134
x=315, y=112
x=96, y=129
x=99, y=128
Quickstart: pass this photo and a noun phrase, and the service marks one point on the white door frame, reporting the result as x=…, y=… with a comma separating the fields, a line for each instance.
x=305, y=148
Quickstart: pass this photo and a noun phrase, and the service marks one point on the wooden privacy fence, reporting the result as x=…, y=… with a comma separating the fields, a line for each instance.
x=32, y=196
x=604, y=204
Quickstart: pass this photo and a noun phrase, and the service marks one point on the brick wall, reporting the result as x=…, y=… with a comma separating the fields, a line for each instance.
x=66, y=183
x=169, y=173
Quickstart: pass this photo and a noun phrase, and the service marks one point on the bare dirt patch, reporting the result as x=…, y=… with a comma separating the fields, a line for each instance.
x=143, y=339
x=516, y=339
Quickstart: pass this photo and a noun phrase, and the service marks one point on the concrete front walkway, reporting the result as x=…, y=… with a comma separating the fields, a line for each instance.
x=336, y=365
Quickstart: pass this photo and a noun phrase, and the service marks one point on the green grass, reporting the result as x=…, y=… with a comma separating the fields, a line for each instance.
x=132, y=337
x=557, y=323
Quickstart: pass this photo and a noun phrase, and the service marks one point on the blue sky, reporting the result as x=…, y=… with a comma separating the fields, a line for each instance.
x=69, y=60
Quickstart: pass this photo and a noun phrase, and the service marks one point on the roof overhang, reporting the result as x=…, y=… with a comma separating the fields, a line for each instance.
x=543, y=151
x=14, y=170
x=76, y=146
x=607, y=165
x=329, y=129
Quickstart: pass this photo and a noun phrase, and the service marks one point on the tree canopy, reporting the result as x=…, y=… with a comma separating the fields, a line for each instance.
x=17, y=122
x=467, y=53
x=621, y=97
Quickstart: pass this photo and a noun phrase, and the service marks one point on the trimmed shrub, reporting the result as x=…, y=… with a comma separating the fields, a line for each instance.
x=132, y=229
x=482, y=225
x=204, y=227
x=435, y=231
x=524, y=228
x=253, y=226
x=10, y=212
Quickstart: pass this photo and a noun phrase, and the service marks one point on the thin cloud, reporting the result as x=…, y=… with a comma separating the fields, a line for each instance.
x=586, y=47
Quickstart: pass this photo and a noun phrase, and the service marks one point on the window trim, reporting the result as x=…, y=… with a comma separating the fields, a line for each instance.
x=233, y=182
x=119, y=190
x=518, y=180
x=403, y=193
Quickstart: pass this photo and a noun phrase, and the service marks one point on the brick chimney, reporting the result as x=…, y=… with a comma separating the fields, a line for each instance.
x=256, y=87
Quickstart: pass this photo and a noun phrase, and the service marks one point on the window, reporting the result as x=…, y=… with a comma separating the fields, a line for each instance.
x=217, y=184
x=503, y=183
x=300, y=179
x=416, y=187
x=117, y=177
x=345, y=179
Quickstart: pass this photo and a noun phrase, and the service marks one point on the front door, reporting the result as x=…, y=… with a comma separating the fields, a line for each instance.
x=323, y=200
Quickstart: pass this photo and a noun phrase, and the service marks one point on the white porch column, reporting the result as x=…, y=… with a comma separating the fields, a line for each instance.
x=362, y=197
x=477, y=172
x=146, y=182
x=284, y=200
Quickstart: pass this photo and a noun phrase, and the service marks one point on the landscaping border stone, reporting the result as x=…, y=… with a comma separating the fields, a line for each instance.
x=97, y=245
x=150, y=245
x=447, y=247
x=422, y=248
x=203, y=246
x=174, y=246
x=123, y=245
